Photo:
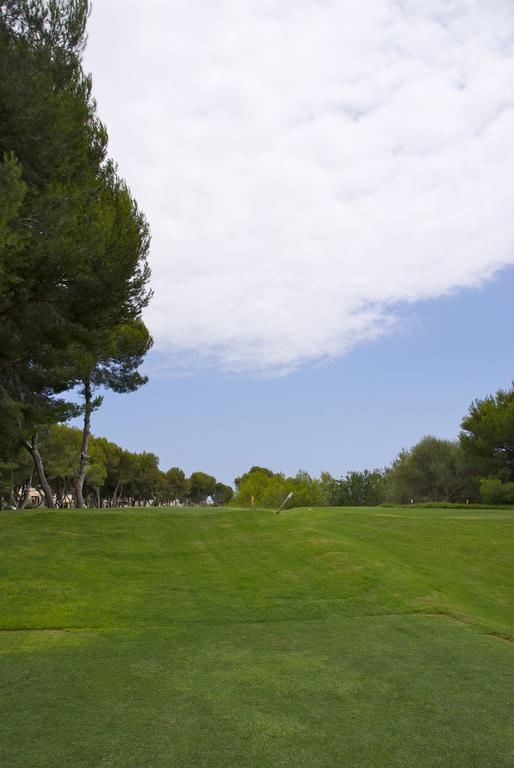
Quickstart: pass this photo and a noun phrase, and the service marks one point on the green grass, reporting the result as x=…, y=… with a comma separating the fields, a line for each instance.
x=324, y=638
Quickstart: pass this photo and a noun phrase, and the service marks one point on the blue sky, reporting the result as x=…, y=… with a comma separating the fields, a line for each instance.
x=329, y=190
x=352, y=413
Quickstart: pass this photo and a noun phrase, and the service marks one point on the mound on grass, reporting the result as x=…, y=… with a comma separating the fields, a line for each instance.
x=331, y=638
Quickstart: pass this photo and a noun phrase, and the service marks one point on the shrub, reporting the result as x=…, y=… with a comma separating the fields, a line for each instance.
x=493, y=491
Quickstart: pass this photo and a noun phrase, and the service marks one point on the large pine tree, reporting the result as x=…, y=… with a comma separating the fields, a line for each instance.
x=73, y=244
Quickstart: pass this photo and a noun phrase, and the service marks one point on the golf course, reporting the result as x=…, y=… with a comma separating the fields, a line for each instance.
x=210, y=638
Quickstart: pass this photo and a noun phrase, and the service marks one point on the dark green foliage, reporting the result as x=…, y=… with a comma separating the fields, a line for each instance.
x=358, y=489
x=177, y=485
x=73, y=243
x=223, y=494
x=433, y=470
x=12, y=192
x=52, y=147
x=488, y=434
x=144, y=482
x=15, y=480
x=201, y=487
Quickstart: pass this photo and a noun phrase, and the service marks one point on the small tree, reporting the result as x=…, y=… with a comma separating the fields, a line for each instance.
x=433, y=470
x=260, y=470
x=263, y=488
x=223, y=494
x=328, y=487
x=202, y=486
x=493, y=491
x=177, y=485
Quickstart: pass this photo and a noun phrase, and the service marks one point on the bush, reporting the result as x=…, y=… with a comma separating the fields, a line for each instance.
x=493, y=491
x=443, y=505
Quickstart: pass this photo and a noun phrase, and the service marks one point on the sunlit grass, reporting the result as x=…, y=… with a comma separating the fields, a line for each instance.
x=338, y=638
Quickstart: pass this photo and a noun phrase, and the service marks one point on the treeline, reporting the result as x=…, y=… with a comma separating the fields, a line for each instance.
x=73, y=242
x=263, y=488
x=478, y=467
x=114, y=476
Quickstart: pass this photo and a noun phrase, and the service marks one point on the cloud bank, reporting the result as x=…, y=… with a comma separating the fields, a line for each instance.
x=306, y=166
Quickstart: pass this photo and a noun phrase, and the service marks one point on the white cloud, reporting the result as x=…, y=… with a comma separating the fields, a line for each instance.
x=307, y=165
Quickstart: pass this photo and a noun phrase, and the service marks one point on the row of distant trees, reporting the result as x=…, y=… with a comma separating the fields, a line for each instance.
x=479, y=466
x=73, y=243
x=114, y=476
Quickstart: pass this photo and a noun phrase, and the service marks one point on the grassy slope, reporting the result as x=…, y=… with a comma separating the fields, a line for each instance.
x=208, y=639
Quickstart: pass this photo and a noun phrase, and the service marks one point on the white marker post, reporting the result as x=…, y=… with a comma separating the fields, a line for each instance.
x=289, y=496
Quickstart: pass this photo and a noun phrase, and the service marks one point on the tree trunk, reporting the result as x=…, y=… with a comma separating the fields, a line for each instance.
x=59, y=495
x=26, y=491
x=33, y=449
x=65, y=493
x=84, y=451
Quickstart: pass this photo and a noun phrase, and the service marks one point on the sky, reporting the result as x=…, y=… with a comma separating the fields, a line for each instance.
x=329, y=189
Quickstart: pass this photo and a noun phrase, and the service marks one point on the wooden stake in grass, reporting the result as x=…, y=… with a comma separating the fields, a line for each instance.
x=289, y=496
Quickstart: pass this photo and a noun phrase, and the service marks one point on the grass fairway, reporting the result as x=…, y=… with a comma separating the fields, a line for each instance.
x=331, y=638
